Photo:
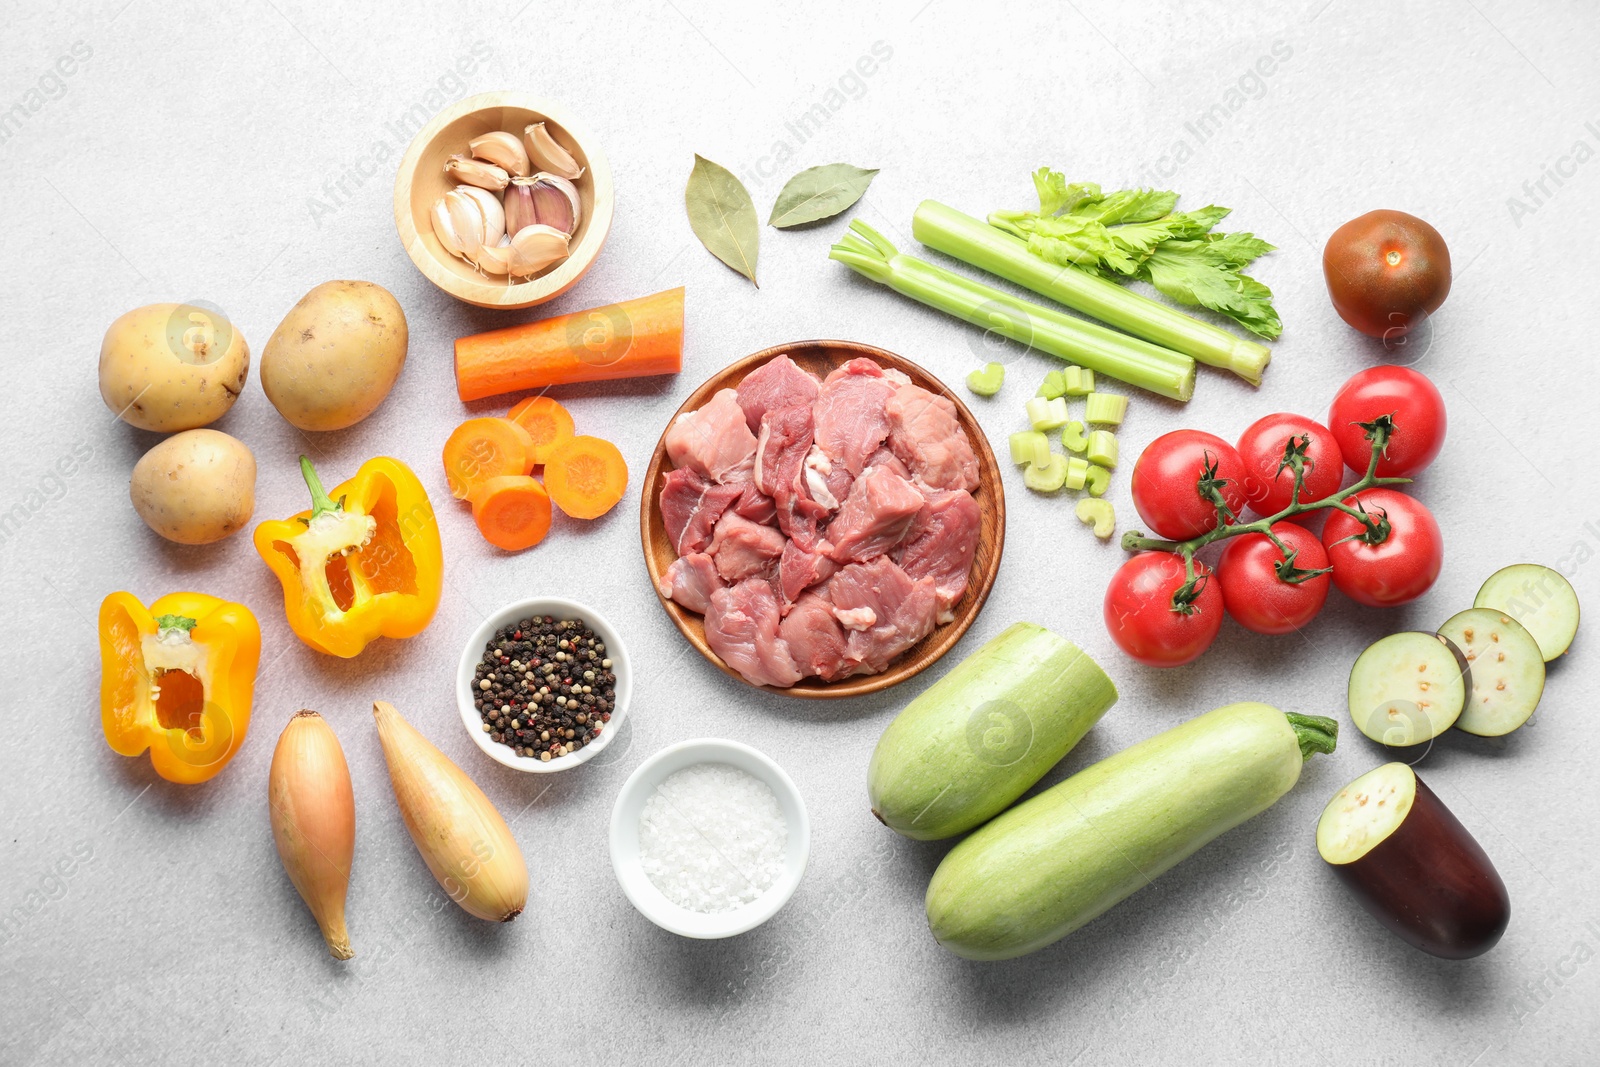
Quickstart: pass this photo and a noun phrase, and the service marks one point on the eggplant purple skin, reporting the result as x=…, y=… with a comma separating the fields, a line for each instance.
x=1431, y=884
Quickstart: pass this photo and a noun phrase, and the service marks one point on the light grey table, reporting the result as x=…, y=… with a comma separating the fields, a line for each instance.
x=243, y=156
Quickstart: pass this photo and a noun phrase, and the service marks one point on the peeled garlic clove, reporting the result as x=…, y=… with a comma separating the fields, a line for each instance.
x=547, y=154
x=494, y=259
x=313, y=813
x=504, y=150
x=519, y=204
x=556, y=203
x=494, y=213
x=466, y=221
x=444, y=230
x=462, y=838
x=533, y=248
x=470, y=171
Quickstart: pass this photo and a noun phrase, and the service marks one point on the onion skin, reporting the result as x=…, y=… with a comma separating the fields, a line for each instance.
x=462, y=838
x=313, y=815
x=1431, y=883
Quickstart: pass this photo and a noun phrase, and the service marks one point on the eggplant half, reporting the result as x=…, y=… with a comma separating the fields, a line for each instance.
x=1412, y=865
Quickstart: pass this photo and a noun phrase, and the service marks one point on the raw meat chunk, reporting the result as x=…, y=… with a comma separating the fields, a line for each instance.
x=754, y=505
x=690, y=581
x=713, y=441
x=799, y=570
x=827, y=482
x=902, y=611
x=781, y=450
x=744, y=549
x=926, y=435
x=850, y=413
x=816, y=641
x=940, y=544
x=777, y=384
x=875, y=516
x=691, y=506
x=742, y=628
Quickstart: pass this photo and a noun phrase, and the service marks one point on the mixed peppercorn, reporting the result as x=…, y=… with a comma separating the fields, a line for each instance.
x=545, y=687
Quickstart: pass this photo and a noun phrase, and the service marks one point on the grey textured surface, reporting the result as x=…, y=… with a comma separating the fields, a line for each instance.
x=241, y=157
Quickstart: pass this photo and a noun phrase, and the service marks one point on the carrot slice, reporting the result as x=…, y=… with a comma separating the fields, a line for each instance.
x=512, y=511
x=480, y=449
x=626, y=340
x=547, y=422
x=586, y=477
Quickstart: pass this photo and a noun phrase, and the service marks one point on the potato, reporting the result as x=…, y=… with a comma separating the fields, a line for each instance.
x=168, y=367
x=195, y=487
x=335, y=356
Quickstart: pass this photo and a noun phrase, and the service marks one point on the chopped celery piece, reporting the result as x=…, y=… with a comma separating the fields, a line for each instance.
x=1046, y=414
x=1102, y=448
x=1107, y=409
x=1077, y=472
x=1080, y=381
x=1048, y=477
x=1030, y=447
x=1054, y=385
x=1099, y=514
x=1072, y=438
x=1099, y=480
x=986, y=381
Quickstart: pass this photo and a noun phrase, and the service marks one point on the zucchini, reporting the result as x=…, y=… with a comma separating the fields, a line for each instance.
x=976, y=739
x=1047, y=867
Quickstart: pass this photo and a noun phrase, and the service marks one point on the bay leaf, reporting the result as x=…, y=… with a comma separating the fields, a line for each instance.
x=819, y=193
x=723, y=216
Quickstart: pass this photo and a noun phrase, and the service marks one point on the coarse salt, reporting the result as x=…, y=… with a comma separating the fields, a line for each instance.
x=712, y=838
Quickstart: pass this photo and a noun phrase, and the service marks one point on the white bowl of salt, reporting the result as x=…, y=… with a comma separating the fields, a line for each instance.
x=709, y=838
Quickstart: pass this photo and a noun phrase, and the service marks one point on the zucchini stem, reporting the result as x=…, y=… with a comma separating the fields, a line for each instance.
x=1316, y=733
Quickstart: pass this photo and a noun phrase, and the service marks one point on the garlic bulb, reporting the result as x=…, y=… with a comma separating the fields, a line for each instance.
x=504, y=150
x=313, y=814
x=547, y=154
x=462, y=838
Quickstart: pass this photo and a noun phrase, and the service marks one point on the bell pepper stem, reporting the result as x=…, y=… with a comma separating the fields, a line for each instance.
x=175, y=622
x=320, y=502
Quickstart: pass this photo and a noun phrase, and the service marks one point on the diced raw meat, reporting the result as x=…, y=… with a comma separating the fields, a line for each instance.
x=883, y=457
x=691, y=506
x=783, y=443
x=799, y=570
x=744, y=549
x=754, y=505
x=926, y=435
x=713, y=441
x=742, y=627
x=875, y=516
x=940, y=544
x=690, y=581
x=777, y=384
x=902, y=611
x=816, y=642
x=851, y=413
x=827, y=482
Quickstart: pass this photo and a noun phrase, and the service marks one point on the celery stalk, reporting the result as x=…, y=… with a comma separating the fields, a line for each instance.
x=1079, y=381
x=1077, y=472
x=989, y=248
x=1099, y=480
x=1072, y=438
x=1046, y=414
x=987, y=380
x=1128, y=359
x=1047, y=478
x=1105, y=409
x=1054, y=385
x=1102, y=449
x=1030, y=447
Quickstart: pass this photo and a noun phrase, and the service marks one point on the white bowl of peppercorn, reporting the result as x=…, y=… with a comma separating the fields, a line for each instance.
x=543, y=684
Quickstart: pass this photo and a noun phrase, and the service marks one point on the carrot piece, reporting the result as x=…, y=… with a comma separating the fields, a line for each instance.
x=547, y=422
x=512, y=511
x=626, y=340
x=480, y=449
x=586, y=477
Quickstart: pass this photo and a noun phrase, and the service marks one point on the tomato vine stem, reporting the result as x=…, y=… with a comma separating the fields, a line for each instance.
x=1376, y=527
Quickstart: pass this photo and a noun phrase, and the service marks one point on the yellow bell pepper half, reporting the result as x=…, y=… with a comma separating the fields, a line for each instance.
x=177, y=678
x=364, y=562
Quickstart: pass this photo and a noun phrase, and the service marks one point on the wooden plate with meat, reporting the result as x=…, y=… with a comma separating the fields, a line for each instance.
x=957, y=607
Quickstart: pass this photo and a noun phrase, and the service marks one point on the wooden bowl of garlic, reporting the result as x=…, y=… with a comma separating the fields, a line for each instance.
x=503, y=200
